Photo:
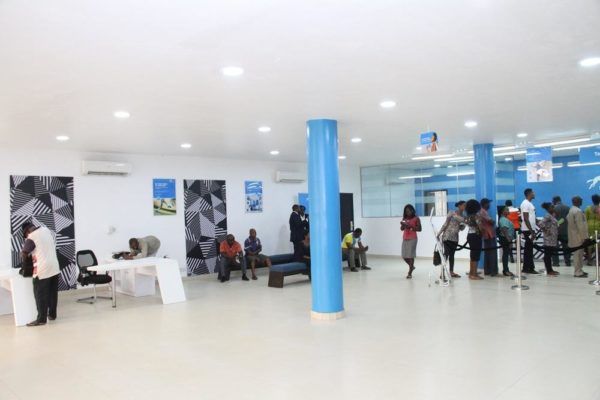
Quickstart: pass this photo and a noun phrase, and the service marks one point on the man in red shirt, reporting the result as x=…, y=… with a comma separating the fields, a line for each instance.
x=231, y=255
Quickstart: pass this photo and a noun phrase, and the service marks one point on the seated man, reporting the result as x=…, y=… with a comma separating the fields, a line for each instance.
x=231, y=254
x=253, y=249
x=143, y=247
x=352, y=246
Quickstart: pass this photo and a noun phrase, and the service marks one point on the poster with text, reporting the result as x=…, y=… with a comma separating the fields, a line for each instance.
x=539, y=164
x=254, y=196
x=164, y=194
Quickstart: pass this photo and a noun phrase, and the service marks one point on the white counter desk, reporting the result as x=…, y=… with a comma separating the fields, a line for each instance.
x=166, y=270
x=16, y=296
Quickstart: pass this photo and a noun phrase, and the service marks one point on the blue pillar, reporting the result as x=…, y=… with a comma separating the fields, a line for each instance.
x=485, y=174
x=485, y=178
x=324, y=194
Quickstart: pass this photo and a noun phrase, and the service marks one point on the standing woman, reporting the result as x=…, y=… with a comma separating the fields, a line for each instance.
x=549, y=227
x=506, y=237
x=592, y=216
x=410, y=225
x=474, y=237
x=455, y=222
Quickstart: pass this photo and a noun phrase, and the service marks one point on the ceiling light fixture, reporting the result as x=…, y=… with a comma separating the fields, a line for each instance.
x=508, y=159
x=62, y=138
x=121, y=114
x=416, y=158
x=554, y=166
x=577, y=146
x=387, y=104
x=510, y=153
x=186, y=146
x=504, y=148
x=471, y=124
x=356, y=140
x=522, y=135
x=341, y=157
x=579, y=140
x=465, y=158
x=415, y=176
x=274, y=152
x=264, y=129
x=419, y=148
x=464, y=173
x=436, y=165
x=579, y=164
x=590, y=62
x=232, y=71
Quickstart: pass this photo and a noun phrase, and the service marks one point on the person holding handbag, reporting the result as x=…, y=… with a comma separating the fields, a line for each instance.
x=474, y=237
x=410, y=225
x=455, y=222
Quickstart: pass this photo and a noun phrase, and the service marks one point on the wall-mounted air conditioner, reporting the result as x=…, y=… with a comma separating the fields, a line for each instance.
x=289, y=177
x=105, y=168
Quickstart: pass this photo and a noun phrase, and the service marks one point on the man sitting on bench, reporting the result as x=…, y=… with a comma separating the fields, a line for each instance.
x=352, y=247
x=231, y=255
x=253, y=249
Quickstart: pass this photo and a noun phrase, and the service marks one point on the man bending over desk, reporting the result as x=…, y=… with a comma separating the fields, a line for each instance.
x=143, y=247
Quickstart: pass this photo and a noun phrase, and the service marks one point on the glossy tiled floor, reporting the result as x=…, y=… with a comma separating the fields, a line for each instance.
x=243, y=340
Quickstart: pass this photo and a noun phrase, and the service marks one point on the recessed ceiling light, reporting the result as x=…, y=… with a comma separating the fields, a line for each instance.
x=62, y=138
x=471, y=124
x=356, y=140
x=436, y=165
x=387, y=104
x=415, y=176
x=341, y=157
x=274, y=152
x=522, y=134
x=419, y=148
x=508, y=159
x=186, y=146
x=590, y=62
x=264, y=129
x=232, y=71
x=121, y=114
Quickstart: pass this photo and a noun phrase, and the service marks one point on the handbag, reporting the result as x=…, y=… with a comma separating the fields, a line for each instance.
x=437, y=258
x=27, y=268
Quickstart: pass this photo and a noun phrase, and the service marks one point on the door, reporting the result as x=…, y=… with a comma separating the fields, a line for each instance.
x=346, y=213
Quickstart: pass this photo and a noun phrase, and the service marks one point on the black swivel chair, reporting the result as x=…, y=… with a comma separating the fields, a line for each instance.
x=85, y=259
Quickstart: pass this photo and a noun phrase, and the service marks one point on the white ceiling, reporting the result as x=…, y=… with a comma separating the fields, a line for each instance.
x=512, y=65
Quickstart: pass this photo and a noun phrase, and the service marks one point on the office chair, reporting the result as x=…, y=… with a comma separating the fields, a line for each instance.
x=85, y=259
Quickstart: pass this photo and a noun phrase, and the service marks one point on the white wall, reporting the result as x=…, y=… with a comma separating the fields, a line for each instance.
x=126, y=202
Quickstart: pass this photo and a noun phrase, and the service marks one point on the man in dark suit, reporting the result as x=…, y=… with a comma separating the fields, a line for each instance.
x=296, y=231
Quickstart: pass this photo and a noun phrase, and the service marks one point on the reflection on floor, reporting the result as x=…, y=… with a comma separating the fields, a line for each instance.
x=242, y=340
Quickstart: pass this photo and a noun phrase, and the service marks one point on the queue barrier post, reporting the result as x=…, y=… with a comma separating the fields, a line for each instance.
x=519, y=285
x=518, y=251
x=597, y=281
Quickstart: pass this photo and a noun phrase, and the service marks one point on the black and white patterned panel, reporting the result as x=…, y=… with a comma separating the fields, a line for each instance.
x=205, y=224
x=45, y=201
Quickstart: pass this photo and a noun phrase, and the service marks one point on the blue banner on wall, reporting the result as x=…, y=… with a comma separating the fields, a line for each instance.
x=164, y=196
x=589, y=155
x=539, y=164
x=254, y=196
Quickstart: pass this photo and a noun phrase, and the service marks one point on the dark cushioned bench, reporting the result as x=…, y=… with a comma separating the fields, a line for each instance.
x=284, y=265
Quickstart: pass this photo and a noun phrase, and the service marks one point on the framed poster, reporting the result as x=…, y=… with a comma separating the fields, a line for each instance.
x=254, y=196
x=539, y=164
x=164, y=196
x=430, y=141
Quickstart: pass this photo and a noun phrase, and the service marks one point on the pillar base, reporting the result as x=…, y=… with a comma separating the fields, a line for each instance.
x=327, y=316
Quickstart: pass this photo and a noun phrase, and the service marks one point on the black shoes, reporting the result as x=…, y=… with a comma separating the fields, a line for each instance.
x=36, y=323
x=585, y=275
x=245, y=278
x=51, y=318
x=365, y=268
x=353, y=270
x=533, y=272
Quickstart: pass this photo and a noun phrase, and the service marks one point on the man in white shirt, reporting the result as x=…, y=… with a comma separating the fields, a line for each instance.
x=39, y=243
x=528, y=227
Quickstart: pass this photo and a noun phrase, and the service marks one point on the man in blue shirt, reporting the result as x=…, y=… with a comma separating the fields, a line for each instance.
x=253, y=248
